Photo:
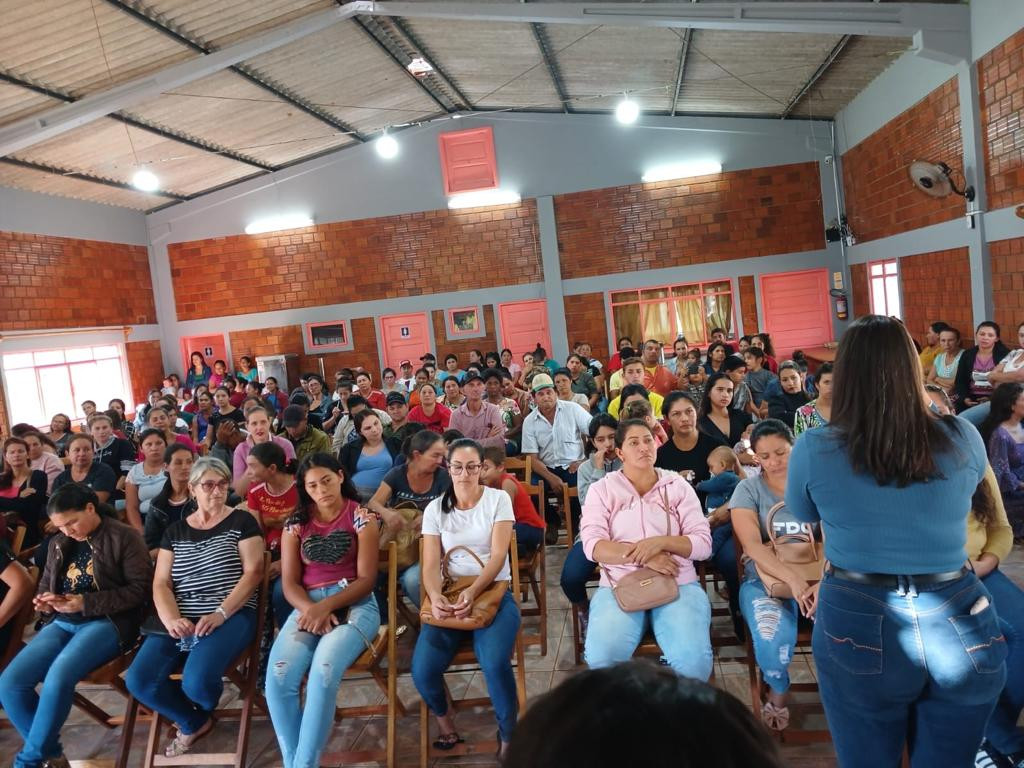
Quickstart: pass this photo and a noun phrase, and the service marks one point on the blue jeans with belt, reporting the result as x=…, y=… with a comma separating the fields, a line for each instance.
x=920, y=664
x=1002, y=731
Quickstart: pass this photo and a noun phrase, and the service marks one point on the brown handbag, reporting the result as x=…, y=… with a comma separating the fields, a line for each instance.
x=797, y=550
x=485, y=606
x=644, y=588
x=407, y=540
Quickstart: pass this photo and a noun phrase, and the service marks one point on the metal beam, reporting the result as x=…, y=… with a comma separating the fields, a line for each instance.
x=380, y=37
x=88, y=177
x=821, y=70
x=416, y=43
x=32, y=130
x=254, y=76
x=143, y=125
x=549, y=61
x=684, y=50
x=854, y=18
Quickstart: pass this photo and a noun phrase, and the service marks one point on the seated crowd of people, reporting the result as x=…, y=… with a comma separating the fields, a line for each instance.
x=155, y=525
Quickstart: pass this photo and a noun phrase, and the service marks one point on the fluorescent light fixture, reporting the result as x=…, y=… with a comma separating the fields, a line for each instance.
x=281, y=221
x=419, y=66
x=627, y=111
x=386, y=146
x=483, y=197
x=145, y=181
x=682, y=170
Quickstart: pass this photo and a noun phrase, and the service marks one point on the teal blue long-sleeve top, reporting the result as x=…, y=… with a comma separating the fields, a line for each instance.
x=871, y=528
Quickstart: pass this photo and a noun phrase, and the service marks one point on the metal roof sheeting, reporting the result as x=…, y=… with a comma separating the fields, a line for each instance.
x=69, y=186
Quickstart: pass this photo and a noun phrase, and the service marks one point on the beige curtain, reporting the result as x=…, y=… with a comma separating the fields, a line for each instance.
x=690, y=320
x=719, y=312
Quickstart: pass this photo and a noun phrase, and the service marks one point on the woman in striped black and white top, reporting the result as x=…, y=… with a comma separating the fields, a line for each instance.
x=204, y=591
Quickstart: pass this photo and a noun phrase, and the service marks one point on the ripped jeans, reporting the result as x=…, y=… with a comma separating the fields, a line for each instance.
x=301, y=731
x=773, y=625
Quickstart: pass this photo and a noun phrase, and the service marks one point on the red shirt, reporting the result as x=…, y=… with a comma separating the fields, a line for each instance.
x=236, y=398
x=272, y=510
x=438, y=422
x=376, y=399
x=659, y=379
x=522, y=505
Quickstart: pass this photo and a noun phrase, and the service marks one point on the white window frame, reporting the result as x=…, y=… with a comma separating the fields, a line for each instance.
x=891, y=287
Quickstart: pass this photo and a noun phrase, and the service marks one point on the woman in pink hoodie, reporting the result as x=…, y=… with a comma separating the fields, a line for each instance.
x=640, y=517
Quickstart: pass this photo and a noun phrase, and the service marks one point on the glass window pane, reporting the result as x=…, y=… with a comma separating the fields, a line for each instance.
x=101, y=352
x=23, y=397
x=78, y=355
x=619, y=297
x=19, y=360
x=656, y=322
x=649, y=294
x=626, y=319
x=878, y=296
x=686, y=290
x=50, y=357
x=877, y=269
x=719, y=287
x=55, y=384
x=718, y=313
x=690, y=320
x=890, y=267
x=892, y=296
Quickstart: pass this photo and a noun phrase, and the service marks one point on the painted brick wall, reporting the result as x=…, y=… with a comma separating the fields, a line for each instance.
x=880, y=198
x=738, y=214
x=1001, y=81
x=748, y=305
x=145, y=369
x=461, y=347
x=287, y=339
x=1008, y=286
x=58, y=282
x=860, y=303
x=937, y=286
x=388, y=257
x=585, y=320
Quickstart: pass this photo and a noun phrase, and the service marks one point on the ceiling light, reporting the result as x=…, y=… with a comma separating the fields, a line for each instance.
x=483, y=197
x=419, y=67
x=627, y=111
x=386, y=146
x=275, y=223
x=682, y=170
x=145, y=181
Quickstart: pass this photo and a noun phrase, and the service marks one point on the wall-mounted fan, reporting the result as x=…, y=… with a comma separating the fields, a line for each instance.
x=936, y=180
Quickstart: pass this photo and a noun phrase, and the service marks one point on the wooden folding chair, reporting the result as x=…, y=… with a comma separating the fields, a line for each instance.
x=465, y=656
x=384, y=647
x=533, y=577
x=242, y=673
x=18, y=623
x=109, y=675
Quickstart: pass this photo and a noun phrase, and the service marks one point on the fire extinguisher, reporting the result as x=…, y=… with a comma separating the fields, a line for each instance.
x=842, y=311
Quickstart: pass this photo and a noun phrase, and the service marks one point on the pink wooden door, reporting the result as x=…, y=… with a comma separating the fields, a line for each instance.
x=796, y=310
x=524, y=325
x=404, y=337
x=210, y=347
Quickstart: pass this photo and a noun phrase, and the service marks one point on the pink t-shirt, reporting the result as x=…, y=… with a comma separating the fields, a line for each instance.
x=329, y=551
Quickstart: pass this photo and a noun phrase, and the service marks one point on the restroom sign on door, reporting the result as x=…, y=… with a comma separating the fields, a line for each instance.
x=405, y=333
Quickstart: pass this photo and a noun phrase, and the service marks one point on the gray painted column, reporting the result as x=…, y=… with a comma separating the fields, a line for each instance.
x=972, y=133
x=552, y=267
x=163, y=298
x=831, y=198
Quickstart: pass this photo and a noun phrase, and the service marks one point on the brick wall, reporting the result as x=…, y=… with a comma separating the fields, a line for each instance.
x=58, y=282
x=748, y=305
x=394, y=256
x=860, y=302
x=880, y=198
x=585, y=320
x=1001, y=82
x=145, y=369
x=937, y=286
x=1008, y=286
x=461, y=347
x=738, y=214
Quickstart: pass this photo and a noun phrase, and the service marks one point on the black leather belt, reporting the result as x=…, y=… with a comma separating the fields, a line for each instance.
x=893, y=580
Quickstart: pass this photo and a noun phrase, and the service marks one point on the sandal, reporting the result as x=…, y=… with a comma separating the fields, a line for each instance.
x=775, y=717
x=448, y=741
x=183, y=742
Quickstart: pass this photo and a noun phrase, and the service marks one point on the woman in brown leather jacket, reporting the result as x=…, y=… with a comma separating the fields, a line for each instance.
x=97, y=580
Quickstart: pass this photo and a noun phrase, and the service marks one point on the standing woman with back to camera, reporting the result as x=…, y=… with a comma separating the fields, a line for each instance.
x=907, y=643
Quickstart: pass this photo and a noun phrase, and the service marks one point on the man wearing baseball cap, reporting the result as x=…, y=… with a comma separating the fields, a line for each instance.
x=406, y=380
x=304, y=438
x=476, y=418
x=400, y=427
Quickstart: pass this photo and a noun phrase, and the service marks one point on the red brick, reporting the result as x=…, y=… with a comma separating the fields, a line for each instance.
x=1001, y=86
x=748, y=304
x=145, y=369
x=937, y=286
x=462, y=347
x=860, y=301
x=585, y=321
x=1007, y=270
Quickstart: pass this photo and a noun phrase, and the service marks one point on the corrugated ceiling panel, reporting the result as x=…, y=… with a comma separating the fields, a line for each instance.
x=343, y=71
x=105, y=148
x=227, y=21
x=17, y=102
x=57, y=43
x=606, y=61
x=230, y=111
x=495, y=65
x=67, y=186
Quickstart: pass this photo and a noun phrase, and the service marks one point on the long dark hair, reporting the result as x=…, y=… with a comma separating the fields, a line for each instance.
x=272, y=455
x=162, y=499
x=984, y=503
x=712, y=347
x=7, y=476
x=771, y=428
x=448, y=500
x=705, y=401
x=419, y=442
x=675, y=396
x=1000, y=408
x=359, y=418
x=324, y=461
x=878, y=411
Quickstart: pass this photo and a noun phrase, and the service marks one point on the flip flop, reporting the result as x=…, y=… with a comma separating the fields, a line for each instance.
x=775, y=717
x=448, y=741
x=182, y=743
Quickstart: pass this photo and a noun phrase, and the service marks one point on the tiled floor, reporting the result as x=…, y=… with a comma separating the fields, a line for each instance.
x=88, y=744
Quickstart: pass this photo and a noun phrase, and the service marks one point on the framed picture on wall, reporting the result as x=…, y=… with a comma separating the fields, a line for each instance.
x=465, y=322
x=332, y=336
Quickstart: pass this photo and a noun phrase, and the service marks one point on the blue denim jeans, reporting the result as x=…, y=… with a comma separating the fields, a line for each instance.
x=279, y=604
x=577, y=570
x=682, y=629
x=302, y=731
x=917, y=668
x=408, y=582
x=1002, y=730
x=59, y=656
x=723, y=556
x=976, y=414
x=528, y=538
x=493, y=646
x=189, y=701
x=773, y=625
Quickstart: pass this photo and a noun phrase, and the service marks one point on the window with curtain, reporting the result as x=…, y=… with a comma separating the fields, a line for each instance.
x=662, y=313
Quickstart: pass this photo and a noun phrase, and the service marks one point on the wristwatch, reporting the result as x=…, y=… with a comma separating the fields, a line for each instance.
x=222, y=612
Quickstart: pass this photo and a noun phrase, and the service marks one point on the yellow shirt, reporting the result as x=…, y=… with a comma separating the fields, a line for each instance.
x=652, y=397
x=997, y=537
x=927, y=357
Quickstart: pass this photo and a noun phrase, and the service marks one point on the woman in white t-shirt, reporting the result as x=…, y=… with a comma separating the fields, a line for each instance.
x=1010, y=369
x=146, y=479
x=472, y=515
